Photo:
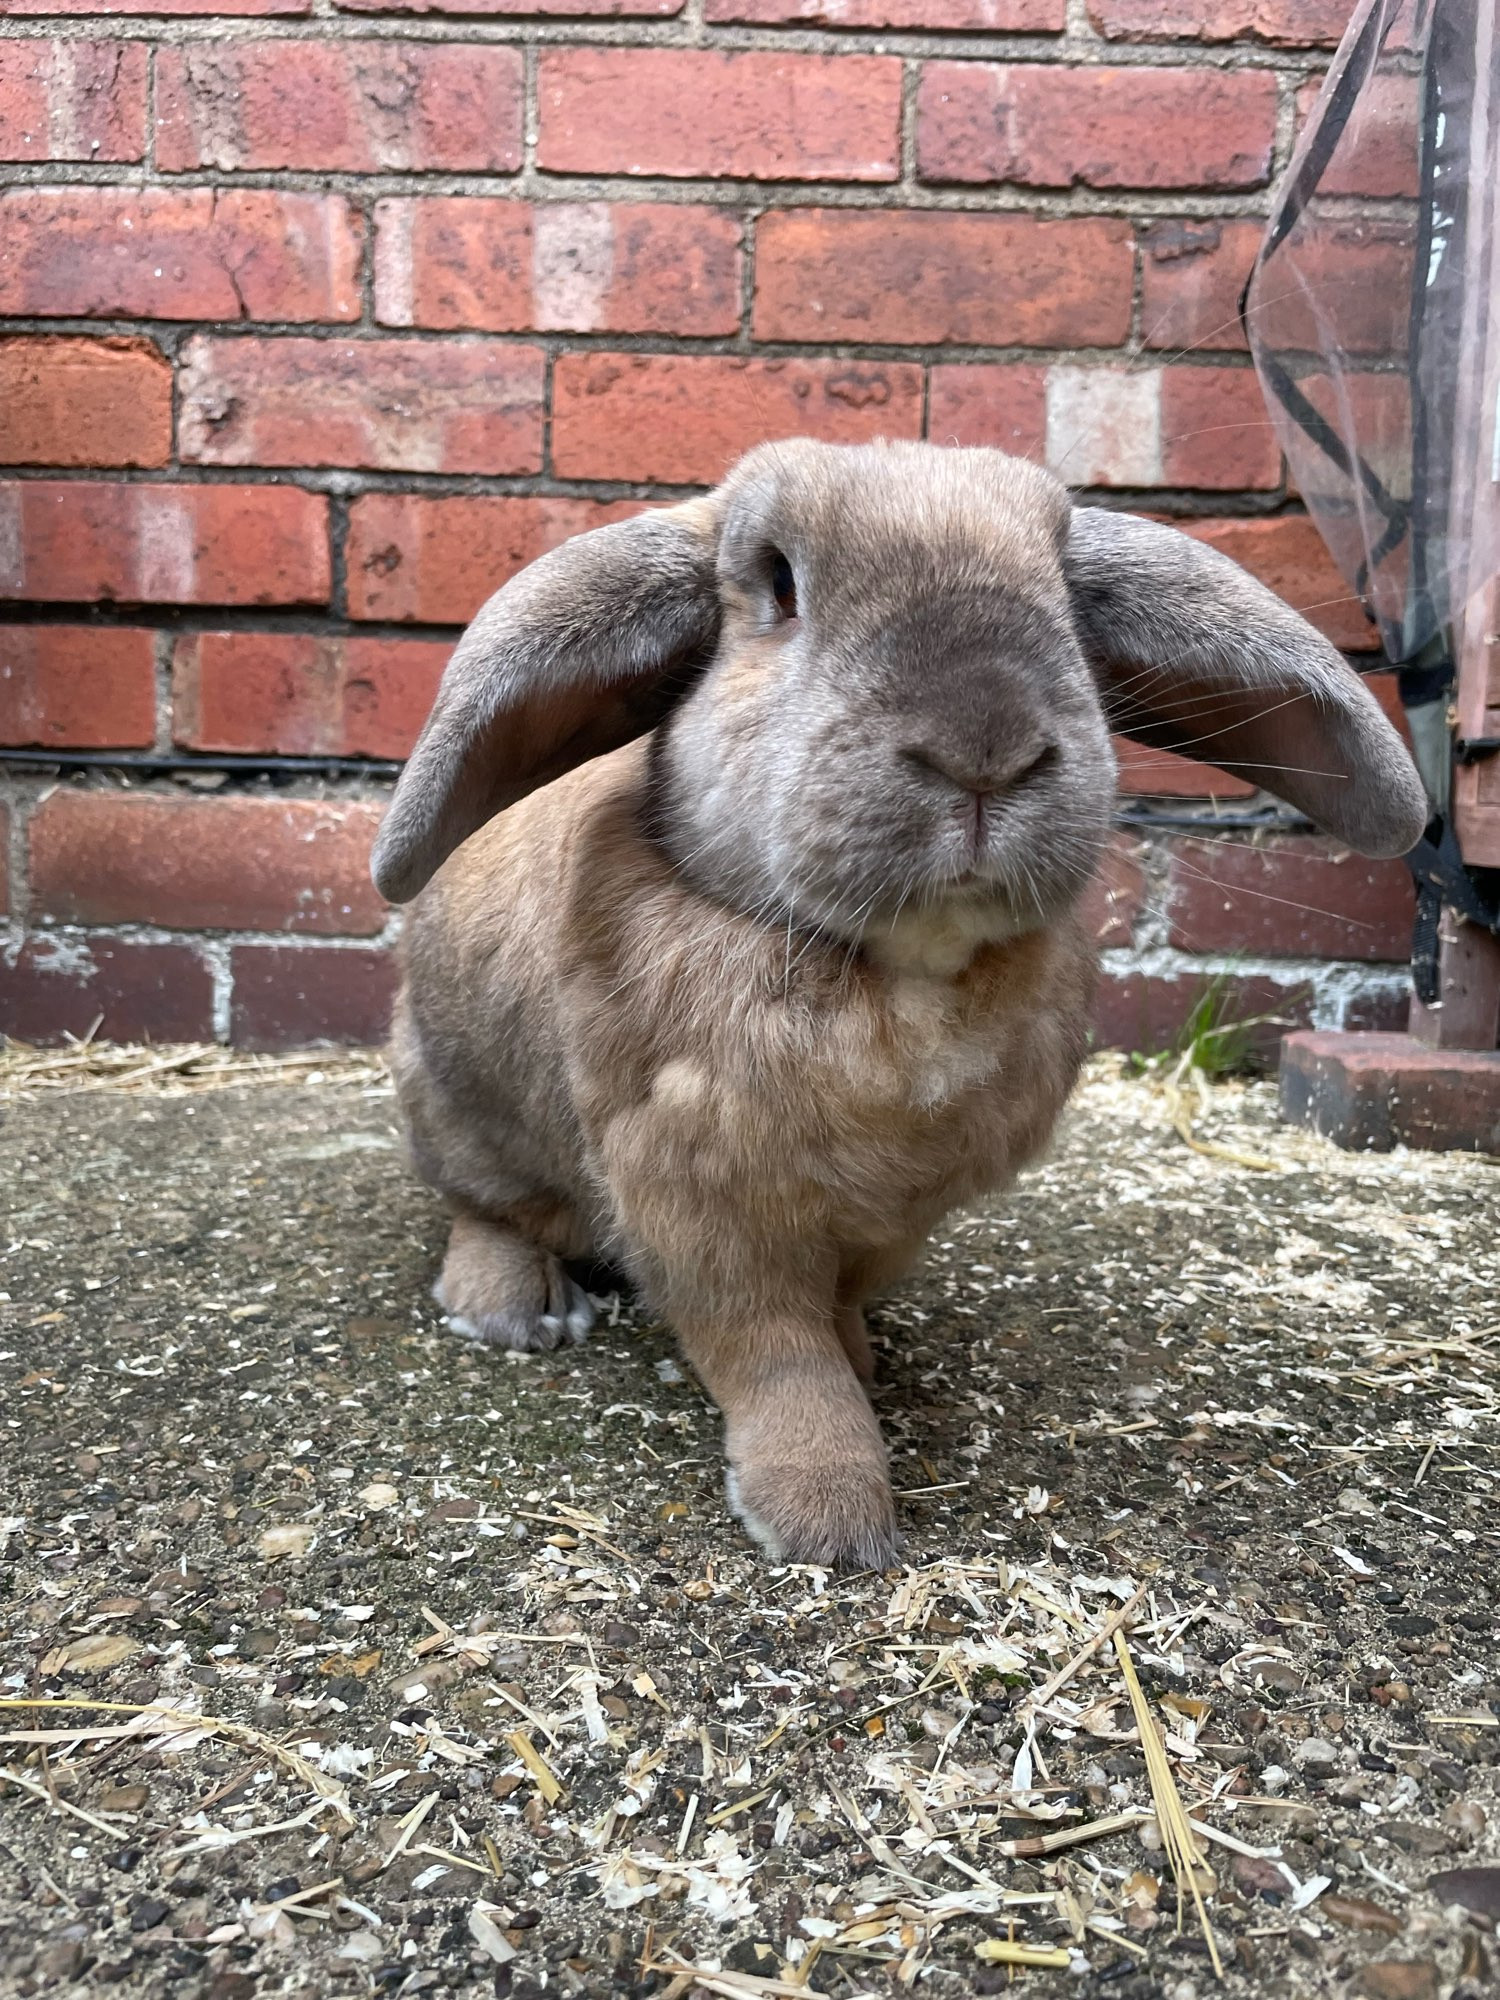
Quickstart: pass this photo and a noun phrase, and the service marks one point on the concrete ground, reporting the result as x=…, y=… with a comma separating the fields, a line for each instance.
x=340, y=1657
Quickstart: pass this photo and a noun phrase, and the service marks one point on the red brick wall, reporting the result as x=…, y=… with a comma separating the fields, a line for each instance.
x=322, y=316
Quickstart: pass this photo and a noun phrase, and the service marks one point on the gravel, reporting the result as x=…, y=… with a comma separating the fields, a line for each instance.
x=434, y=1670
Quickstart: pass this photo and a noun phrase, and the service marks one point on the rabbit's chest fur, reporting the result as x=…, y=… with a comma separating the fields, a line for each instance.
x=720, y=1068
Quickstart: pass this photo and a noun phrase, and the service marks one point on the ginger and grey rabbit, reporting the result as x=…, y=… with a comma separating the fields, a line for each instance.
x=747, y=839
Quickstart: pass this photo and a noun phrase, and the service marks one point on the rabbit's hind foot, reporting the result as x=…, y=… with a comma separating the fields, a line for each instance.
x=502, y=1290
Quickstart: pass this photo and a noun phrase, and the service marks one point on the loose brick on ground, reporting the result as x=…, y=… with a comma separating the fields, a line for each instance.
x=204, y=864
x=1371, y=1092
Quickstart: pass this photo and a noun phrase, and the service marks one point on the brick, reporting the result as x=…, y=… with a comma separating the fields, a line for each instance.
x=81, y=687
x=1104, y=426
x=684, y=419
x=1373, y=411
x=1370, y=1092
x=473, y=265
x=1216, y=432
x=1142, y=426
x=1353, y=277
x=1289, y=555
x=355, y=106
x=1046, y=125
x=1146, y=1012
x=998, y=403
x=1282, y=23
x=1377, y=154
x=754, y=115
x=1117, y=895
x=72, y=541
x=72, y=100
x=234, y=863
x=1378, y=1007
x=1151, y=773
x=1192, y=274
x=69, y=401
x=178, y=253
x=288, y=996
x=423, y=406
x=607, y=9
x=1292, y=898
x=108, y=988
x=1017, y=17
x=434, y=559
x=173, y=8
x=298, y=694
x=892, y=276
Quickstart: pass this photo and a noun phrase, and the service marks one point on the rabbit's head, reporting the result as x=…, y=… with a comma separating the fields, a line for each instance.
x=888, y=675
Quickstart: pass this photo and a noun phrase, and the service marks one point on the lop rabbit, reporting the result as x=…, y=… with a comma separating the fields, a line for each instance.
x=747, y=839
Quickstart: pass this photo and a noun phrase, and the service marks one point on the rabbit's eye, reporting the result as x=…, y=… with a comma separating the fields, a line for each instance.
x=783, y=585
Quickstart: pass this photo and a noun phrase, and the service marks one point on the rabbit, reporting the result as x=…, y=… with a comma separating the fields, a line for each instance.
x=747, y=838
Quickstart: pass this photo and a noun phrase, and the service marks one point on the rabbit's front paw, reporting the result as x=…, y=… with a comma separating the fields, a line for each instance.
x=838, y=1514
x=502, y=1291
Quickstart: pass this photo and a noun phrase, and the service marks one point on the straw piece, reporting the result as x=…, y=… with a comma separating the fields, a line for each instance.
x=546, y=1780
x=50, y=1798
x=1067, y=1836
x=1105, y=1633
x=1011, y=1951
x=735, y=1985
x=407, y=1826
x=1179, y=1835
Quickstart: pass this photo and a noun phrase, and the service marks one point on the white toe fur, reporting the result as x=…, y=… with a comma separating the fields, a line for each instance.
x=759, y=1531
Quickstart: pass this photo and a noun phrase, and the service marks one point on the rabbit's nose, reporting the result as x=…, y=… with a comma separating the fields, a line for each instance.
x=983, y=774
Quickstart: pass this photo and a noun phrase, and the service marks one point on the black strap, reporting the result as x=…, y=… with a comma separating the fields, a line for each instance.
x=1366, y=52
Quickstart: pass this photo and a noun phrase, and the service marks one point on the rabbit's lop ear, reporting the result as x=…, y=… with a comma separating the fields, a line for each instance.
x=1194, y=655
x=581, y=651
